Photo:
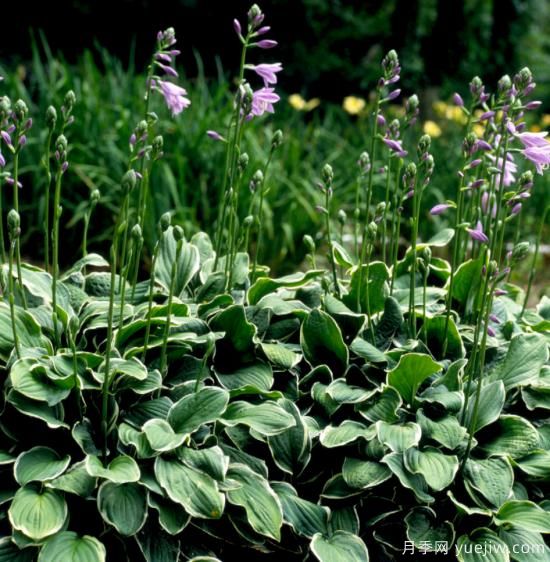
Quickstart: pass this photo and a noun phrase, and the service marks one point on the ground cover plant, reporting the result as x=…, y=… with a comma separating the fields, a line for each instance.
x=378, y=405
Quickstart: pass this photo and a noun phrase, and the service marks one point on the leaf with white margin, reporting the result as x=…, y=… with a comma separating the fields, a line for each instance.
x=262, y=505
x=438, y=469
x=411, y=371
x=345, y=433
x=424, y=527
x=358, y=473
x=305, y=517
x=525, y=515
x=265, y=418
x=447, y=431
x=196, y=491
x=512, y=435
x=491, y=402
x=121, y=470
x=482, y=545
x=341, y=546
x=398, y=437
x=124, y=506
x=161, y=437
x=492, y=478
x=534, y=548
x=37, y=513
x=414, y=482
x=69, y=547
x=39, y=464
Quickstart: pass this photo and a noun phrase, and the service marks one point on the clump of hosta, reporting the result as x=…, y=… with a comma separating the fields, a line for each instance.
x=388, y=404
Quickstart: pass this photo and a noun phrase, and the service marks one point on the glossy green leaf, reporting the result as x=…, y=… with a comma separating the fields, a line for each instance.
x=398, y=437
x=438, y=469
x=482, y=545
x=69, y=547
x=411, y=371
x=121, y=470
x=492, y=478
x=341, y=546
x=363, y=474
x=525, y=515
x=124, y=506
x=512, y=435
x=267, y=418
x=39, y=464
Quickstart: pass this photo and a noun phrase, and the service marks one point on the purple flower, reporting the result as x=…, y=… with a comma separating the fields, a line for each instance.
x=533, y=139
x=6, y=137
x=494, y=318
x=533, y=105
x=491, y=332
x=486, y=115
x=485, y=205
x=539, y=155
x=477, y=233
x=268, y=72
x=439, y=209
x=263, y=100
x=22, y=140
x=215, y=135
x=457, y=99
x=168, y=69
x=263, y=30
x=483, y=145
x=174, y=95
x=237, y=26
x=380, y=120
x=64, y=167
x=516, y=209
x=163, y=57
x=393, y=95
x=500, y=292
x=395, y=146
x=509, y=170
x=2, y=160
x=266, y=44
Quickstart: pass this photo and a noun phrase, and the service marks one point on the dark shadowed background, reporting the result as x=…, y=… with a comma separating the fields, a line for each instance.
x=330, y=48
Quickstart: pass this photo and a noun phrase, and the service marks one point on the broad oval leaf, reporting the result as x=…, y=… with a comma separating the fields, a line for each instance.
x=124, y=506
x=525, y=515
x=482, y=544
x=121, y=470
x=39, y=464
x=411, y=371
x=267, y=418
x=69, y=547
x=341, y=546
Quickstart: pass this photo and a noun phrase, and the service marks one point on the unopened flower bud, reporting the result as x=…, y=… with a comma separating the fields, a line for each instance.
x=128, y=181
x=256, y=181
x=309, y=242
x=370, y=231
x=248, y=220
x=61, y=145
x=277, y=139
x=14, y=224
x=95, y=196
x=469, y=144
x=165, y=221
x=364, y=162
x=523, y=79
x=342, y=217
x=20, y=109
x=136, y=232
x=243, y=162
x=504, y=85
x=69, y=101
x=424, y=144
x=254, y=12
x=178, y=233
x=157, y=145
x=457, y=100
x=520, y=252
x=327, y=174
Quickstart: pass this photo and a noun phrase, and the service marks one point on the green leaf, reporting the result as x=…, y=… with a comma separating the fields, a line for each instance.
x=439, y=240
x=188, y=263
x=363, y=474
x=447, y=431
x=466, y=282
x=345, y=433
x=525, y=358
x=492, y=478
x=237, y=344
x=423, y=528
x=32, y=380
x=69, y=547
x=264, y=285
x=512, y=435
x=161, y=437
x=414, y=482
x=263, y=508
x=367, y=351
x=398, y=437
x=536, y=464
x=267, y=418
x=121, y=470
x=435, y=332
x=39, y=464
x=194, y=410
x=75, y=481
x=172, y=517
x=9, y=552
x=196, y=491
x=411, y=371
x=291, y=448
x=491, y=401
x=383, y=405
x=281, y=356
x=322, y=342
x=257, y=376
x=212, y=460
x=52, y=416
x=524, y=546
x=124, y=506
x=37, y=513
x=439, y=470
x=375, y=288
x=305, y=517
x=483, y=545
x=341, y=546
x=525, y=515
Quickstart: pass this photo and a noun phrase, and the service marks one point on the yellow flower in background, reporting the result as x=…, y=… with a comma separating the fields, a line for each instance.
x=300, y=104
x=479, y=130
x=456, y=114
x=545, y=120
x=312, y=104
x=297, y=102
x=353, y=105
x=535, y=128
x=432, y=128
x=440, y=107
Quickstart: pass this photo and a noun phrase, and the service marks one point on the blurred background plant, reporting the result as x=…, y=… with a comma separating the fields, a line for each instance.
x=331, y=52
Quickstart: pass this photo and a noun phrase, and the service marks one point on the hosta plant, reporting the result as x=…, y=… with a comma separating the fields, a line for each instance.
x=383, y=403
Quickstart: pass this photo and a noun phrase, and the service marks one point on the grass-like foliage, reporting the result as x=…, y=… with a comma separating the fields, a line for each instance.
x=378, y=405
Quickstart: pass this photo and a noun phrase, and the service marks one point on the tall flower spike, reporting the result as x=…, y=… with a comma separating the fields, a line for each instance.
x=477, y=233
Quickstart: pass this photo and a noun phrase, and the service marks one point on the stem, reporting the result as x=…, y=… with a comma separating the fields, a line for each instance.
x=12, y=299
x=150, y=302
x=2, y=243
x=412, y=285
x=329, y=239
x=18, y=240
x=55, y=257
x=371, y=324
x=47, y=202
x=424, y=300
x=385, y=212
